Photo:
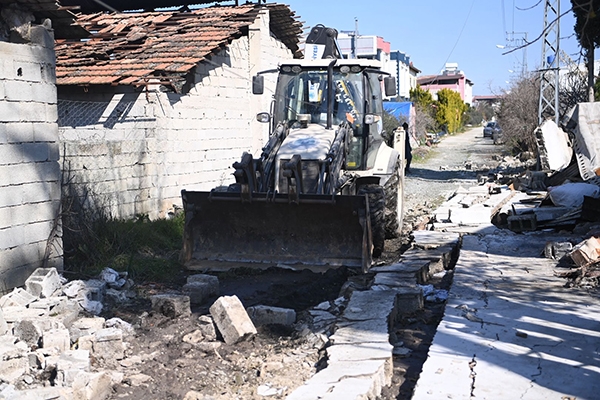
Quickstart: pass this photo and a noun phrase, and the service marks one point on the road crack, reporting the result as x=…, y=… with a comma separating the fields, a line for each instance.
x=473, y=375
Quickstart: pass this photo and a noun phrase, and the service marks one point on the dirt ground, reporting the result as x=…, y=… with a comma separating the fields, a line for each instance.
x=169, y=358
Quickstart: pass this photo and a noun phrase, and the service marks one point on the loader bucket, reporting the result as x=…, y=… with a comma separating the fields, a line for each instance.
x=319, y=232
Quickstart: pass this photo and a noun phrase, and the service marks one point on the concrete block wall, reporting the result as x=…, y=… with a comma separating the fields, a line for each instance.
x=161, y=143
x=29, y=161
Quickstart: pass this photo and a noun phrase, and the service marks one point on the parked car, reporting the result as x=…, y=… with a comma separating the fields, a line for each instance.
x=490, y=128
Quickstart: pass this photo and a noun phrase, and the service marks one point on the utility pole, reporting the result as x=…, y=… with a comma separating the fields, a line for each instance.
x=518, y=40
x=550, y=65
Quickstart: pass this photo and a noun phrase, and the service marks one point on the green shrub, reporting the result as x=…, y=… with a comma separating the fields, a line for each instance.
x=147, y=250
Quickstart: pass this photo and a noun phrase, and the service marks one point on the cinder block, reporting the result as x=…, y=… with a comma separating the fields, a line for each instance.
x=200, y=287
x=171, y=305
x=17, y=298
x=522, y=223
x=43, y=282
x=45, y=304
x=18, y=91
x=36, y=152
x=58, y=338
x=45, y=132
x=3, y=324
x=9, y=111
x=27, y=71
x=33, y=112
x=92, y=386
x=108, y=344
x=231, y=319
x=10, y=154
x=70, y=364
x=265, y=315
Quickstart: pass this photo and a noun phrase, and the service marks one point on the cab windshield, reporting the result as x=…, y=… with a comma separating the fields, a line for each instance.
x=306, y=92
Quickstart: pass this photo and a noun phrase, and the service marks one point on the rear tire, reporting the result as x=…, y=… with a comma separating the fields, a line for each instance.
x=376, y=196
x=394, y=202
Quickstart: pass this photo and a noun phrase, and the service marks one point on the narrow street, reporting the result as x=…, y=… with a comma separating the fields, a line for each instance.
x=511, y=327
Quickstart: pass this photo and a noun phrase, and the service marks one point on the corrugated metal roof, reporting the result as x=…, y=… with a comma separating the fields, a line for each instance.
x=134, y=48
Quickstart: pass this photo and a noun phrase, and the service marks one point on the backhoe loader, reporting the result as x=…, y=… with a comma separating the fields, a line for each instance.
x=327, y=188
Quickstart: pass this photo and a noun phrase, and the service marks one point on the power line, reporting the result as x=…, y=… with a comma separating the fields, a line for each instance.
x=461, y=32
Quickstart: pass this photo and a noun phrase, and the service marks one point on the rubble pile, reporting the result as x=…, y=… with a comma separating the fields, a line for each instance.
x=53, y=344
x=50, y=349
x=580, y=264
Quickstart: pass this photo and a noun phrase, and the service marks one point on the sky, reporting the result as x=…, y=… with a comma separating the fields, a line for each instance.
x=434, y=32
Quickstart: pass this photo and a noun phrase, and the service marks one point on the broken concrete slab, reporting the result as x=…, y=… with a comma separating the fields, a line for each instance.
x=394, y=279
x=231, y=319
x=359, y=352
x=266, y=315
x=478, y=214
x=371, y=305
x=432, y=239
x=368, y=331
x=171, y=305
x=440, y=258
x=417, y=269
x=43, y=282
x=346, y=380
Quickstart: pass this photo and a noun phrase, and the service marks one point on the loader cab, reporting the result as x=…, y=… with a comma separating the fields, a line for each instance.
x=303, y=95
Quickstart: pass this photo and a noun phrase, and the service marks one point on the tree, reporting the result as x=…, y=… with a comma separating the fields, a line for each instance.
x=518, y=114
x=483, y=111
x=450, y=110
x=587, y=28
x=421, y=97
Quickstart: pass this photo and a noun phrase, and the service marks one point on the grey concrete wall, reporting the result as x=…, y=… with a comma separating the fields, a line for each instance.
x=133, y=153
x=29, y=154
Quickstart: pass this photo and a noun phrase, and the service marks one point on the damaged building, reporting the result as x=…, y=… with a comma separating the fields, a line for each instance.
x=29, y=144
x=156, y=102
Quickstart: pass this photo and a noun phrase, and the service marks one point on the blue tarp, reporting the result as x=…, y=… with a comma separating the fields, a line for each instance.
x=398, y=109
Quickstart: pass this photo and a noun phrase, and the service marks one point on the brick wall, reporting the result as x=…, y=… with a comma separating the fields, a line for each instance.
x=29, y=154
x=134, y=152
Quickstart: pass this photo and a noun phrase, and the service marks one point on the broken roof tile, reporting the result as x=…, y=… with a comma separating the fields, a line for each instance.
x=126, y=48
